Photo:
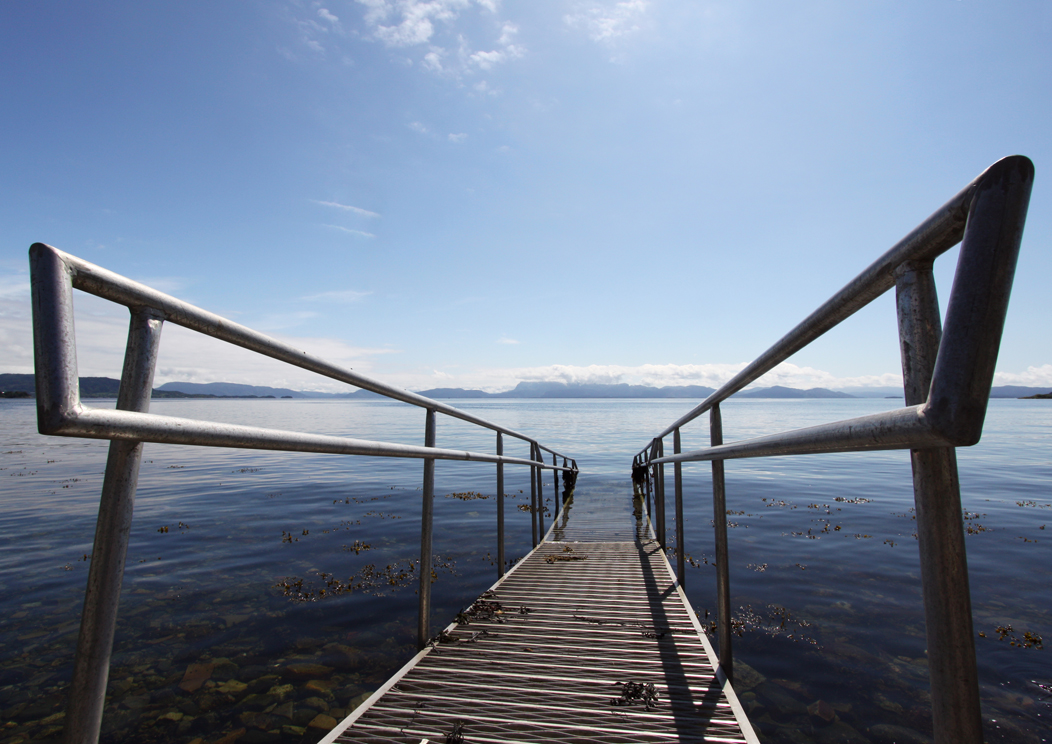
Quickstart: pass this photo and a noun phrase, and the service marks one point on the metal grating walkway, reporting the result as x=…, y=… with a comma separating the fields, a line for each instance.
x=554, y=651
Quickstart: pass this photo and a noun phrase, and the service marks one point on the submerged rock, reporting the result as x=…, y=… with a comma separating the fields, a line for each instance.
x=317, y=703
x=781, y=704
x=322, y=687
x=822, y=710
x=264, y=683
x=341, y=656
x=231, y=687
x=307, y=671
x=195, y=676
x=746, y=678
x=224, y=669
x=323, y=722
x=281, y=691
x=357, y=701
x=284, y=710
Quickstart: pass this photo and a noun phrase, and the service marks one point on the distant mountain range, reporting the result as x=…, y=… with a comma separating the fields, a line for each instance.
x=622, y=390
x=106, y=387
x=578, y=390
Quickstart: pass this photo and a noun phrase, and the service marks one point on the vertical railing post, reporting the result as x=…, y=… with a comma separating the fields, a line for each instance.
x=940, y=528
x=540, y=496
x=649, y=482
x=500, y=506
x=555, y=485
x=719, y=521
x=533, y=494
x=659, y=495
x=681, y=573
x=91, y=666
x=427, y=519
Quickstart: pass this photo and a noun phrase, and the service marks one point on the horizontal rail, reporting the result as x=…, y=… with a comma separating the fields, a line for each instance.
x=964, y=371
x=904, y=428
x=94, y=423
x=101, y=282
x=58, y=395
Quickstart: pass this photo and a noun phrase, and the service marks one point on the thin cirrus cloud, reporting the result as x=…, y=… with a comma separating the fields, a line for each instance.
x=506, y=340
x=359, y=233
x=347, y=208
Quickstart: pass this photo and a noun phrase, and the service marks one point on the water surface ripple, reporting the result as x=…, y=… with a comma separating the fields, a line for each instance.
x=267, y=593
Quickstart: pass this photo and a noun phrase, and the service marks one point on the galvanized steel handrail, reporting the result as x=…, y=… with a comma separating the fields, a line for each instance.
x=60, y=412
x=947, y=374
x=933, y=237
x=54, y=271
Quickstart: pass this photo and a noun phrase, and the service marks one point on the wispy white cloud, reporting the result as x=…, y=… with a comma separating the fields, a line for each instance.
x=506, y=340
x=433, y=59
x=329, y=18
x=607, y=22
x=418, y=127
x=400, y=23
x=312, y=34
x=1032, y=377
x=457, y=138
x=507, y=49
x=347, y=208
x=351, y=231
x=345, y=296
x=486, y=60
x=412, y=23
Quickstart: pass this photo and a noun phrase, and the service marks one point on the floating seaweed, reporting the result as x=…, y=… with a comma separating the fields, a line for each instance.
x=467, y=495
x=1006, y=632
x=635, y=693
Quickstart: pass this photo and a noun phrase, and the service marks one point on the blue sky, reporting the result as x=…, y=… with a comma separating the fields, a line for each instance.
x=472, y=193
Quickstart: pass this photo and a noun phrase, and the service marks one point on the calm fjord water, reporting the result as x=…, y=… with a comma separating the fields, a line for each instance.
x=230, y=552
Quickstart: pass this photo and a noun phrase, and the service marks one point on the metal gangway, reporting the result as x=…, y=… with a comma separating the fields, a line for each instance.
x=589, y=638
x=947, y=373
x=60, y=412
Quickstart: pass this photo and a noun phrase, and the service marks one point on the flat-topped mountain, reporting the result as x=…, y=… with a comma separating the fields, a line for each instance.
x=778, y=391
